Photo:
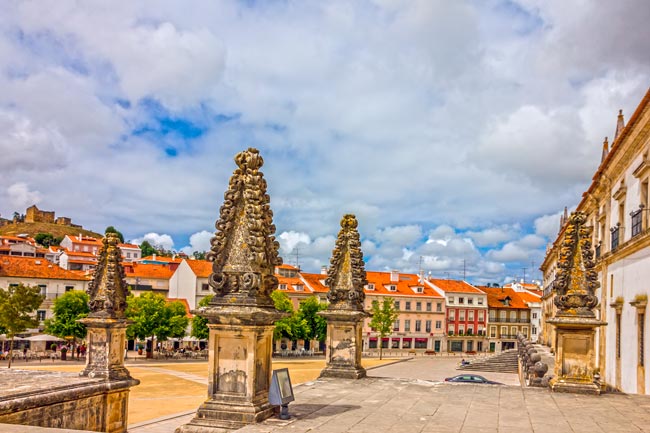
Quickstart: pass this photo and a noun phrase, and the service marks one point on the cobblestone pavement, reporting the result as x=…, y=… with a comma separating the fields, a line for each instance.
x=403, y=404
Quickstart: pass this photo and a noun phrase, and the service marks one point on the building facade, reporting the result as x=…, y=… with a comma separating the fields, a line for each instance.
x=616, y=207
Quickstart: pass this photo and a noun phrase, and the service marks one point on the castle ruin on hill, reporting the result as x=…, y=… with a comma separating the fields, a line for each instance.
x=34, y=215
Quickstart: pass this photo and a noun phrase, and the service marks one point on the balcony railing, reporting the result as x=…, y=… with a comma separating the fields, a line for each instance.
x=507, y=320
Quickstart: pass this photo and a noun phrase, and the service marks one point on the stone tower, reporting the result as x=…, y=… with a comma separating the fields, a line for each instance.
x=241, y=315
x=346, y=279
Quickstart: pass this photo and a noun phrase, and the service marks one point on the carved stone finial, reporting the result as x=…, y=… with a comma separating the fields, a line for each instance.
x=620, y=124
x=108, y=290
x=346, y=276
x=605, y=150
x=576, y=280
x=244, y=249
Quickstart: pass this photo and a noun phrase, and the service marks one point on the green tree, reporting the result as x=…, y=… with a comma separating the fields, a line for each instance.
x=68, y=309
x=200, y=324
x=111, y=229
x=290, y=327
x=153, y=317
x=316, y=328
x=383, y=317
x=147, y=249
x=17, y=306
x=47, y=239
x=199, y=255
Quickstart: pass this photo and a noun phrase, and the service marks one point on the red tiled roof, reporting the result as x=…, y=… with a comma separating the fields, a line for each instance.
x=201, y=268
x=31, y=267
x=314, y=281
x=404, y=285
x=132, y=246
x=454, y=286
x=496, y=295
x=142, y=270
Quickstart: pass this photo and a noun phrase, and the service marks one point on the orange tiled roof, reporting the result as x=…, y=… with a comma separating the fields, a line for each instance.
x=201, y=268
x=79, y=253
x=85, y=240
x=496, y=294
x=141, y=270
x=314, y=281
x=162, y=259
x=404, y=285
x=129, y=246
x=30, y=267
x=454, y=286
x=287, y=266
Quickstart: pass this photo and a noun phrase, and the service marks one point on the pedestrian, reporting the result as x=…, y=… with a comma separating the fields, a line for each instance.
x=78, y=351
x=25, y=353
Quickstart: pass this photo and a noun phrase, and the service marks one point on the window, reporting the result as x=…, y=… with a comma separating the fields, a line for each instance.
x=481, y=315
x=470, y=330
x=493, y=331
x=450, y=299
x=470, y=301
x=470, y=315
x=418, y=326
x=461, y=329
x=504, y=331
x=420, y=343
x=438, y=324
x=407, y=305
x=461, y=300
x=407, y=325
x=452, y=315
x=523, y=315
x=397, y=305
x=371, y=286
x=68, y=288
x=418, y=289
x=128, y=255
x=502, y=315
x=513, y=316
x=418, y=306
x=43, y=289
x=614, y=236
x=406, y=343
x=394, y=343
x=641, y=338
x=524, y=331
x=513, y=331
x=86, y=248
x=450, y=329
x=283, y=287
x=533, y=331
x=636, y=224
x=428, y=306
x=534, y=315
x=205, y=287
x=40, y=315
x=396, y=326
x=480, y=301
x=392, y=288
x=299, y=287
x=618, y=335
x=439, y=307
x=493, y=315
x=461, y=315
x=13, y=285
x=372, y=344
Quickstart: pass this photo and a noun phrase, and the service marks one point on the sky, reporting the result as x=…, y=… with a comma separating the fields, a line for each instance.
x=456, y=131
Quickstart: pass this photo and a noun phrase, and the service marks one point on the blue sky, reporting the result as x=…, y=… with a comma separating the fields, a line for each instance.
x=455, y=131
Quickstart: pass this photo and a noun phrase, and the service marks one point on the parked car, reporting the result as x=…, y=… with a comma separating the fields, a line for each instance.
x=471, y=378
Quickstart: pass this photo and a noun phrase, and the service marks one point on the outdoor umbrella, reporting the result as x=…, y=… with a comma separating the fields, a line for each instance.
x=44, y=337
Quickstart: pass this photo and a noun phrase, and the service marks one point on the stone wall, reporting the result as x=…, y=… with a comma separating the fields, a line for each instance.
x=34, y=215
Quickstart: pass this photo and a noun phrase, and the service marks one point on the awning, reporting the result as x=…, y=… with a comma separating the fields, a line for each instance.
x=421, y=340
x=44, y=337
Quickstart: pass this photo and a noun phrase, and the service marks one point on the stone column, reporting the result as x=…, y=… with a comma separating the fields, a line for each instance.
x=346, y=279
x=106, y=326
x=575, y=322
x=241, y=315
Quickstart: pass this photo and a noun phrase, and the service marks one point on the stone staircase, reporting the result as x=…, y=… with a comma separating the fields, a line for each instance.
x=504, y=362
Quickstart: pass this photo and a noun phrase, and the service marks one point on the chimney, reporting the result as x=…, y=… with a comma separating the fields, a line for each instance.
x=605, y=150
x=394, y=276
x=80, y=238
x=323, y=270
x=154, y=256
x=620, y=124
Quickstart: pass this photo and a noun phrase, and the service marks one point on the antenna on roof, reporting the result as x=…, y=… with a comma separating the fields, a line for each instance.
x=523, y=281
x=464, y=270
x=297, y=252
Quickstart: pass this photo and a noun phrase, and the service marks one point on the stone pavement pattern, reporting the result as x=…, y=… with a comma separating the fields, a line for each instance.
x=393, y=405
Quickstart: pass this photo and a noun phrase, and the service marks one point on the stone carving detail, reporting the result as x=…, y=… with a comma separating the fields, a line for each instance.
x=346, y=276
x=108, y=289
x=244, y=249
x=576, y=280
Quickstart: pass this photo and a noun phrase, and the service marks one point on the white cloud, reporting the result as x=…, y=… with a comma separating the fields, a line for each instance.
x=156, y=240
x=21, y=196
x=548, y=225
x=446, y=127
x=199, y=241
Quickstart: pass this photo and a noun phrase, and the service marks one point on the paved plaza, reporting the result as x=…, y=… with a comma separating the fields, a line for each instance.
x=408, y=397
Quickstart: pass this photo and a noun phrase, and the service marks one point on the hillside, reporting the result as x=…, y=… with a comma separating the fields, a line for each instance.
x=32, y=229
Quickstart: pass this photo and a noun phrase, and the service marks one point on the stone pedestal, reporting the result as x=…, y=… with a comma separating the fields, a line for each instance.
x=106, y=348
x=344, y=344
x=575, y=358
x=239, y=370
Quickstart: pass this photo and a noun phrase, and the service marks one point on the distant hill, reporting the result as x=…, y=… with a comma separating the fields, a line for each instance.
x=32, y=229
